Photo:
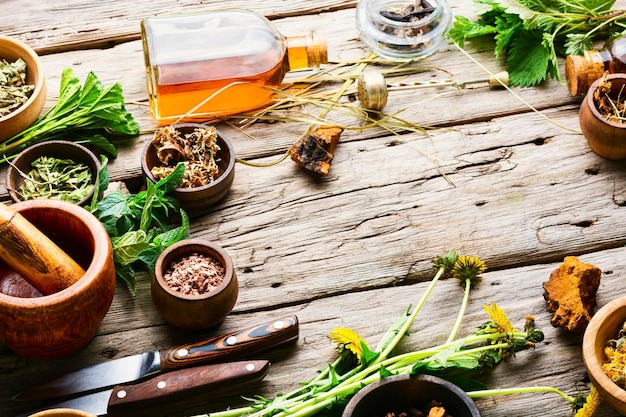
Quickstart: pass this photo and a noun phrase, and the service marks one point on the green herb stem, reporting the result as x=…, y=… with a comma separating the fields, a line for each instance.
x=459, y=318
x=519, y=390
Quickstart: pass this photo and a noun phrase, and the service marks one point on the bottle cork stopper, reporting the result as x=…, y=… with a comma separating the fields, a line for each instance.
x=582, y=71
x=317, y=50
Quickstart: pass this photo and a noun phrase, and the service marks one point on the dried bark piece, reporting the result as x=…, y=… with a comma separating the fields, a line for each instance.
x=315, y=151
x=571, y=293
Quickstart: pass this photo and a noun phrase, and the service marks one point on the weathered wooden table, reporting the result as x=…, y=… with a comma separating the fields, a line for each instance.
x=520, y=189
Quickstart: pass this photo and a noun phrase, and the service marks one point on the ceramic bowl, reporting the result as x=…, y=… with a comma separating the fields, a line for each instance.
x=24, y=116
x=603, y=326
x=59, y=324
x=198, y=199
x=61, y=149
x=189, y=311
x=606, y=138
x=62, y=412
x=405, y=392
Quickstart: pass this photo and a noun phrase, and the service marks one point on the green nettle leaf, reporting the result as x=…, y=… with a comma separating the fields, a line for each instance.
x=557, y=27
x=528, y=59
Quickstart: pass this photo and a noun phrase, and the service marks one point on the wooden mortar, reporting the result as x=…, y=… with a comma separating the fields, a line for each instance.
x=34, y=256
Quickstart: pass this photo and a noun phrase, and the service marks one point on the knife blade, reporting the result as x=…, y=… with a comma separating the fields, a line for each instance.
x=134, y=368
x=164, y=391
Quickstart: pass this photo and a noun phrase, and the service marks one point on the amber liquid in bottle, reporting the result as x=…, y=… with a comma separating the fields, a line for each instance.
x=582, y=71
x=205, y=66
x=224, y=94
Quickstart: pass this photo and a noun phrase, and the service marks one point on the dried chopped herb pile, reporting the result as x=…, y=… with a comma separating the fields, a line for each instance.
x=197, y=150
x=59, y=179
x=14, y=91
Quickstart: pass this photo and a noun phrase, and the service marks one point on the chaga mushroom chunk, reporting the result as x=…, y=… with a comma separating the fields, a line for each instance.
x=314, y=152
x=571, y=294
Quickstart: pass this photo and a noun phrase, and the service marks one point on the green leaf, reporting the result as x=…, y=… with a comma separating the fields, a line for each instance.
x=126, y=248
x=527, y=59
x=464, y=29
x=172, y=181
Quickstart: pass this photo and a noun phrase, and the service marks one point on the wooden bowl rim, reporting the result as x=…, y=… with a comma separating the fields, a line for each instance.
x=39, y=79
x=224, y=259
x=592, y=105
x=395, y=379
x=592, y=362
x=37, y=148
x=102, y=252
x=229, y=150
x=61, y=412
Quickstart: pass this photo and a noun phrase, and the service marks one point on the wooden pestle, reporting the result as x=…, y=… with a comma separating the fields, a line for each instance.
x=29, y=252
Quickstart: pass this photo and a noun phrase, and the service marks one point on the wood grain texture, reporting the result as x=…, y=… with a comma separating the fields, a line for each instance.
x=491, y=177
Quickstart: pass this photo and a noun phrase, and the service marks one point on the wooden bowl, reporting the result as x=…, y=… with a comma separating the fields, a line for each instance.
x=24, y=116
x=59, y=324
x=603, y=326
x=195, y=201
x=404, y=392
x=188, y=311
x=62, y=412
x=60, y=149
x=606, y=138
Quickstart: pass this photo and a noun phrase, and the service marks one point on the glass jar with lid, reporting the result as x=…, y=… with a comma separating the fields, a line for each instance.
x=403, y=29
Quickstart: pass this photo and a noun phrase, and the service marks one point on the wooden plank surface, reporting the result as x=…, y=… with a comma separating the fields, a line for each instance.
x=493, y=179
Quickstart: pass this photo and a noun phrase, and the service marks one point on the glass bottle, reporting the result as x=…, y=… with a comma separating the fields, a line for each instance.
x=401, y=29
x=207, y=65
x=582, y=70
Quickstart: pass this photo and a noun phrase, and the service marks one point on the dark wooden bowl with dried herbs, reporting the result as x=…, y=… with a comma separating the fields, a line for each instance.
x=210, y=163
x=415, y=395
x=194, y=285
x=57, y=170
x=603, y=116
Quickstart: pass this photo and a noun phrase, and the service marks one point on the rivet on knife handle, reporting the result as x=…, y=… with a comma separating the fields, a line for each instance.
x=173, y=387
x=238, y=343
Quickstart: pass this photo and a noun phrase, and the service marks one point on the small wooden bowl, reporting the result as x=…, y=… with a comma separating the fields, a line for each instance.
x=60, y=149
x=23, y=117
x=62, y=412
x=403, y=392
x=198, y=199
x=605, y=138
x=194, y=312
x=59, y=324
x=603, y=326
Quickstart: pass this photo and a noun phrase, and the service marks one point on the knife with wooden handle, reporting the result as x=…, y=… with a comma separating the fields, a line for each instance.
x=165, y=391
x=134, y=368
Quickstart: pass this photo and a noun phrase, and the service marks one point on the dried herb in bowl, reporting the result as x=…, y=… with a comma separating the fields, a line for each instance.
x=197, y=150
x=13, y=88
x=54, y=178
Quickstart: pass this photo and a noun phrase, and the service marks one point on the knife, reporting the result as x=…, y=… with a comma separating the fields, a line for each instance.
x=134, y=368
x=164, y=391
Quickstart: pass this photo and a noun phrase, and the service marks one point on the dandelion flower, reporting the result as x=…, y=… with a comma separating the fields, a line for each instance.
x=499, y=318
x=468, y=268
x=591, y=404
x=348, y=339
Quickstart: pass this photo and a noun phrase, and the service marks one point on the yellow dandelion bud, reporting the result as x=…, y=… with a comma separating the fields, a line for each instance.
x=347, y=339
